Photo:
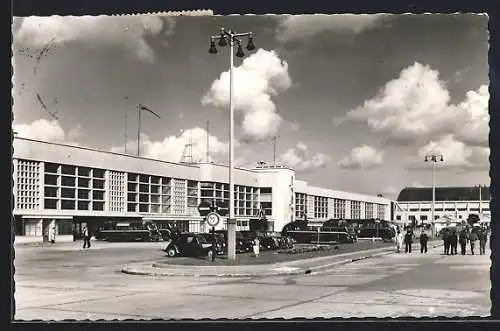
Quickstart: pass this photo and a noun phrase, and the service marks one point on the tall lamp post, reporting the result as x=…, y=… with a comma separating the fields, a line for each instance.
x=434, y=158
x=234, y=39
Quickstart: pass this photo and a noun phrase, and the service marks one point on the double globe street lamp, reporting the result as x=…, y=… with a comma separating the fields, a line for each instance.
x=434, y=158
x=224, y=38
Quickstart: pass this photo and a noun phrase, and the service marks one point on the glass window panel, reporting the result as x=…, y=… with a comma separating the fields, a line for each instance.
x=98, y=183
x=83, y=205
x=83, y=171
x=50, y=191
x=83, y=194
x=98, y=173
x=83, y=182
x=68, y=204
x=97, y=205
x=68, y=193
x=98, y=195
x=51, y=179
x=67, y=181
x=67, y=170
x=50, y=204
x=144, y=178
x=144, y=208
x=51, y=168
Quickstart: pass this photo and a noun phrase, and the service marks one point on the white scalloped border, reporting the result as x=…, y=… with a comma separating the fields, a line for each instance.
x=198, y=12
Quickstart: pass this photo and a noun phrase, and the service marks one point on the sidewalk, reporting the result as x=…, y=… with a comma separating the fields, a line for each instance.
x=295, y=267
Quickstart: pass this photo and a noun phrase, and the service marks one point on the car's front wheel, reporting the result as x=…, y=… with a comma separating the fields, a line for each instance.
x=171, y=252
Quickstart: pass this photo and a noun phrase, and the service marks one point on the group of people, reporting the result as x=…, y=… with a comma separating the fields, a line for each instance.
x=452, y=237
x=407, y=240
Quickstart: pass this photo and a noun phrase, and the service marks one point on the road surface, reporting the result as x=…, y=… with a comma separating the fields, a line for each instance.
x=57, y=284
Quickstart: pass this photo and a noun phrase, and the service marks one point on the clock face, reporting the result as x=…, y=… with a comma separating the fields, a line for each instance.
x=213, y=219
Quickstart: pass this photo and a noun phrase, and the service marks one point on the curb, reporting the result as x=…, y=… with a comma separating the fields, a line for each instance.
x=300, y=271
x=150, y=271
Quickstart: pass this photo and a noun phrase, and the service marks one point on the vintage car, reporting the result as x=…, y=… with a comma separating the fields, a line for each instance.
x=244, y=242
x=190, y=245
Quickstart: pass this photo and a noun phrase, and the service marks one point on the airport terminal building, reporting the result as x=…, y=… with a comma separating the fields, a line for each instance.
x=452, y=205
x=67, y=186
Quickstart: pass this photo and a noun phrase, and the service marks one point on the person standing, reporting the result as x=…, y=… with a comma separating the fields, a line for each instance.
x=408, y=241
x=86, y=238
x=454, y=242
x=463, y=241
x=483, y=238
x=446, y=240
x=424, y=238
x=256, y=246
x=399, y=241
x=472, y=238
x=52, y=234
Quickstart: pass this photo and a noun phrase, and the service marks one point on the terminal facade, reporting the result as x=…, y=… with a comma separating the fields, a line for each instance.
x=67, y=186
x=452, y=205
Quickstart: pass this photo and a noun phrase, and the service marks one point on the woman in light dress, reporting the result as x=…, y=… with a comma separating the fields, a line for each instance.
x=256, y=246
x=399, y=241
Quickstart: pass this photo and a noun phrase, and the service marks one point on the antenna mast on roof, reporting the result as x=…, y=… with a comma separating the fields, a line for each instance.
x=187, y=153
x=208, y=142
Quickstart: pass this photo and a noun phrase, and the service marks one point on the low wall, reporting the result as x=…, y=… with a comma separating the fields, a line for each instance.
x=39, y=239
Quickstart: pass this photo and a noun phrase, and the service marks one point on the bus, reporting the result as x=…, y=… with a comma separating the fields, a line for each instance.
x=328, y=233
x=128, y=231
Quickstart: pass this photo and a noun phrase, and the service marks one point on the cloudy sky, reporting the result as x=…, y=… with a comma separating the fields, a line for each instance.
x=356, y=101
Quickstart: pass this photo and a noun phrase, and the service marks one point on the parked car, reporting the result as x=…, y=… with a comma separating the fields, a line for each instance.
x=191, y=245
x=219, y=240
x=244, y=242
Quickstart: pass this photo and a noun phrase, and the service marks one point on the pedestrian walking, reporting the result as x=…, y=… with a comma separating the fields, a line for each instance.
x=52, y=234
x=86, y=238
x=483, y=238
x=424, y=238
x=399, y=241
x=462, y=238
x=408, y=241
x=454, y=242
x=256, y=247
x=472, y=239
x=446, y=241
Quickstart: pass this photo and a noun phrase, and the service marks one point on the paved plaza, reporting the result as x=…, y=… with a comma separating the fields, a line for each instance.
x=65, y=282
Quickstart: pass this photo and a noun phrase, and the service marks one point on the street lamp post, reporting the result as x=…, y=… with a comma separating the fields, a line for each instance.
x=225, y=37
x=434, y=158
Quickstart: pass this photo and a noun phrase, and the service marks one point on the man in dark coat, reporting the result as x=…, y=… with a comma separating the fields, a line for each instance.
x=463, y=237
x=446, y=240
x=473, y=238
x=424, y=238
x=454, y=242
x=483, y=237
x=408, y=241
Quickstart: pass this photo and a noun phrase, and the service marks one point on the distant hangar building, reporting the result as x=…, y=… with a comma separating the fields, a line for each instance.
x=452, y=205
x=69, y=187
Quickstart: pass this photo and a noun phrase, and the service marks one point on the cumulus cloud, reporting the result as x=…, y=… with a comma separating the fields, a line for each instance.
x=416, y=105
x=300, y=27
x=362, y=157
x=456, y=155
x=260, y=76
x=172, y=148
x=45, y=130
x=96, y=31
x=298, y=159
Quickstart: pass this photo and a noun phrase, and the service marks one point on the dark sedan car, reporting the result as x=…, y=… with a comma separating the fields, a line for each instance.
x=244, y=243
x=191, y=245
